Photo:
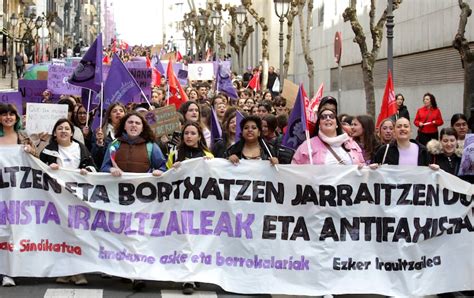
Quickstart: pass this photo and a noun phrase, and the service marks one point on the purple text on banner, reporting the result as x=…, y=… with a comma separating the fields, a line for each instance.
x=57, y=80
x=12, y=98
x=143, y=78
x=31, y=90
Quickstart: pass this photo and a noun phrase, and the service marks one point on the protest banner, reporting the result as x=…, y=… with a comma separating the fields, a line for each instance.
x=164, y=120
x=57, y=80
x=301, y=230
x=41, y=117
x=201, y=71
x=32, y=90
x=14, y=98
x=143, y=78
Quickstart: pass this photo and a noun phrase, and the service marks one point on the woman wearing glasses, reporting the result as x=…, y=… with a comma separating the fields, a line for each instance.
x=330, y=145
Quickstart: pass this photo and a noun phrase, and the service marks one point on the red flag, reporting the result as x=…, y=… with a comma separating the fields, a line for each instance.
x=179, y=57
x=309, y=115
x=114, y=45
x=254, y=83
x=148, y=62
x=106, y=59
x=389, y=104
x=314, y=104
x=209, y=54
x=155, y=77
x=177, y=94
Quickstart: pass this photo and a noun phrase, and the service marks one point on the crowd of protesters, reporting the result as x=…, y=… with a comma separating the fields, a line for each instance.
x=338, y=139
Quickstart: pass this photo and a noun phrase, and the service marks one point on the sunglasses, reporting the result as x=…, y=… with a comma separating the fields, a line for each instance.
x=327, y=116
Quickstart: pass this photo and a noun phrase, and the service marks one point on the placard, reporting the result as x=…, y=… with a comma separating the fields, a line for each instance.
x=163, y=120
x=290, y=91
x=57, y=80
x=13, y=98
x=201, y=71
x=41, y=117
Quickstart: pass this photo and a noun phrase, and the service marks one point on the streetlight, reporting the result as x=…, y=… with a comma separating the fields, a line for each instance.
x=241, y=18
x=216, y=21
x=281, y=9
x=390, y=26
x=13, y=23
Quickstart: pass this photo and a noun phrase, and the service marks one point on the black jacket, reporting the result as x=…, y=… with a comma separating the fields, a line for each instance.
x=239, y=146
x=393, y=154
x=50, y=154
x=401, y=113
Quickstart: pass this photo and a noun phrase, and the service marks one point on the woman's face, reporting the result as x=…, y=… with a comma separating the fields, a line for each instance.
x=386, y=131
x=116, y=115
x=262, y=112
x=264, y=128
x=249, y=103
x=427, y=101
x=460, y=127
x=133, y=126
x=193, y=95
x=250, y=131
x=267, y=96
x=192, y=114
x=241, y=103
x=220, y=110
x=399, y=100
x=449, y=144
x=8, y=119
x=327, y=123
x=254, y=110
x=191, y=136
x=82, y=115
x=63, y=134
x=402, y=130
x=232, y=125
x=357, y=129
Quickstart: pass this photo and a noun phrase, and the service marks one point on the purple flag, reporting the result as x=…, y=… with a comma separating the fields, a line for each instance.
x=216, y=130
x=156, y=63
x=120, y=84
x=295, y=131
x=238, y=118
x=88, y=73
x=224, y=82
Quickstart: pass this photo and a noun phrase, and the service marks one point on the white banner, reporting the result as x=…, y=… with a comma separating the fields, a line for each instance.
x=201, y=71
x=301, y=230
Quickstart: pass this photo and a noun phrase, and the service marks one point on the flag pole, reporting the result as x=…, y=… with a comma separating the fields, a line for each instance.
x=308, y=143
x=144, y=96
x=101, y=103
x=269, y=153
x=88, y=108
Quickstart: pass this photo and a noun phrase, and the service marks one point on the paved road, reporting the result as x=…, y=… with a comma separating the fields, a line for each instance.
x=5, y=83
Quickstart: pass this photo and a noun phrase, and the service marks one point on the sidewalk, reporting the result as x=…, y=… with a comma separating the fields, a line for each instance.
x=5, y=83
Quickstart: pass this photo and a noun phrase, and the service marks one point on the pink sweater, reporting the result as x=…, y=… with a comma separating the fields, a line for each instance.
x=319, y=152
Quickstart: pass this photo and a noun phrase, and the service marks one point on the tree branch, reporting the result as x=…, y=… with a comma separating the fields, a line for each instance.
x=460, y=43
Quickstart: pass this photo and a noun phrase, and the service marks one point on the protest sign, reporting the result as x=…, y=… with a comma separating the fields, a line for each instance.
x=57, y=80
x=301, y=230
x=41, y=117
x=143, y=78
x=32, y=90
x=201, y=71
x=163, y=120
x=13, y=98
x=290, y=91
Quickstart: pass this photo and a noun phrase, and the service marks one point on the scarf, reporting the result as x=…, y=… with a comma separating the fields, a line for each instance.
x=336, y=141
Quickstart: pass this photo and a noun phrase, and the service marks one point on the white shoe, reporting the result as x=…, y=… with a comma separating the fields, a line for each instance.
x=7, y=281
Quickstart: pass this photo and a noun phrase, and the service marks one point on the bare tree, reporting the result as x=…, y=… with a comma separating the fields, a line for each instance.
x=305, y=38
x=368, y=56
x=234, y=38
x=265, y=52
x=467, y=56
x=289, y=37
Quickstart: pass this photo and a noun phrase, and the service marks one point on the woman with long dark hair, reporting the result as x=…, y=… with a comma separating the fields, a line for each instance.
x=428, y=118
x=363, y=132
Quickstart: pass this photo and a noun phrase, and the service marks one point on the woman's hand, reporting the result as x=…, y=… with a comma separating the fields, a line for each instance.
x=43, y=136
x=274, y=161
x=116, y=172
x=83, y=171
x=234, y=159
x=176, y=165
x=360, y=166
x=374, y=166
x=207, y=157
x=54, y=166
x=434, y=167
x=29, y=149
x=99, y=137
x=157, y=173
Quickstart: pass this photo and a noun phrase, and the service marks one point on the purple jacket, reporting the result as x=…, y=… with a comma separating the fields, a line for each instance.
x=319, y=151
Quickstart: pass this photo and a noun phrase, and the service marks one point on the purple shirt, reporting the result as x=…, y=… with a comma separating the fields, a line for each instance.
x=409, y=156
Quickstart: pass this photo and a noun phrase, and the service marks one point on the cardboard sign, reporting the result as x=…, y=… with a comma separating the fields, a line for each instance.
x=41, y=117
x=163, y=120
x=57, y=80
x=201, y=71
x=290, y=91
x=13, y=98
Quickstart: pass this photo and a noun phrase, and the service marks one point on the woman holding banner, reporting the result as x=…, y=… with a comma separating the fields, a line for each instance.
x=330, y=145
x=11, y=134
x=403, y=151
x=64, y=151
x=446, y=153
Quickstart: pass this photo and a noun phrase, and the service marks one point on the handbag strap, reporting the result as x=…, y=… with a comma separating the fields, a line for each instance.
x=339, y=160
